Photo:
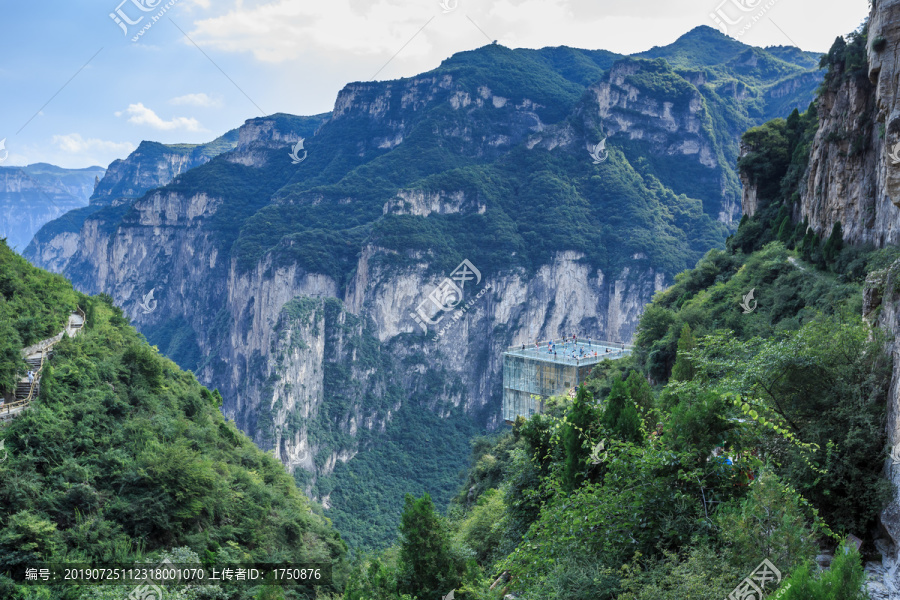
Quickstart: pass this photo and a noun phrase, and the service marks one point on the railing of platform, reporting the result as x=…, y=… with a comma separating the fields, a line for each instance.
x=581, y=342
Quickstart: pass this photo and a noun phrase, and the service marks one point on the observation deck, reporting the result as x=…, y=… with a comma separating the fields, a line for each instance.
x=533, y=374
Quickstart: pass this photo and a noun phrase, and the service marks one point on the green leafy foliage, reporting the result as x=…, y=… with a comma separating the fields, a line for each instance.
x=768, y=523
x=420, y=452
x=842, y=581
x=124, y=454
x=34, y=305
x=575, y=433
x=827, y=384
x=684, y=367
x=620, y=416
x=429, y=566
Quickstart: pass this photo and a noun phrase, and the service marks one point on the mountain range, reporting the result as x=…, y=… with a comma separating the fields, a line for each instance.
x=308, y=281
x=34, y=195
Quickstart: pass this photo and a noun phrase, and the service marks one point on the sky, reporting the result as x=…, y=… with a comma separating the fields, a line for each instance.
x=83, y=83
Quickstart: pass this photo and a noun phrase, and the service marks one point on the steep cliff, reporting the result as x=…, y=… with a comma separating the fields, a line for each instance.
x=150, y=166
x=853, y=179
x=318, y=286
x=37, y=194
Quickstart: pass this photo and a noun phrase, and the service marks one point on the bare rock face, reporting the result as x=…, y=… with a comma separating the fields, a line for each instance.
x=884, y=67
x=37, y=194
x=309, y=365
x=750, y=194
x=882, y=304
x=854, y=179
x=672, y=128
x=842, y=185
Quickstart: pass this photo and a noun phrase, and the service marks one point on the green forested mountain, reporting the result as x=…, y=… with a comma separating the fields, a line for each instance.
x=124, y=455
x=745, y=427
x=486, y=158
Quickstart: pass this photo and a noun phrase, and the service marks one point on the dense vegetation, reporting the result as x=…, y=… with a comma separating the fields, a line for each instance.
x=124, y=456
x=732, y=435
x=34, y=305
x=521, y=203
x=755, y=447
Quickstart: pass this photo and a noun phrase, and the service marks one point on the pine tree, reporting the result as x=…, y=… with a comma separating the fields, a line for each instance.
x=621, y=417
x=640, y=393
x=785, y=230
x=684, y=367
x=428, y=566
x=834, y=244
x=580, y=418
x=628, y=425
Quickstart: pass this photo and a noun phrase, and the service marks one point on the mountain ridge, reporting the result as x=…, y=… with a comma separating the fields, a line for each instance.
x=485, y=159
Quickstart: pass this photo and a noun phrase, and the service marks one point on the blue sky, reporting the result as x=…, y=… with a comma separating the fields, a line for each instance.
x=295, y=55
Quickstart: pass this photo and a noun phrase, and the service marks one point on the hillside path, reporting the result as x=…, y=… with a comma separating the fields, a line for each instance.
x=28, y=387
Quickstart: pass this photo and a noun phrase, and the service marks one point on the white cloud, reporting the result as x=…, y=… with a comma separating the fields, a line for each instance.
x=341, y=33
x=139, y=114
x=286, y=29
x=201, y=99
x=73, y=143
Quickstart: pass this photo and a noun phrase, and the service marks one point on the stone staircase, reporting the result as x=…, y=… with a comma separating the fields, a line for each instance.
x=36, y=355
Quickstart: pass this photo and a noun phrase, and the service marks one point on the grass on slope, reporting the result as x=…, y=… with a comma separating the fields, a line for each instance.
x=123, y=454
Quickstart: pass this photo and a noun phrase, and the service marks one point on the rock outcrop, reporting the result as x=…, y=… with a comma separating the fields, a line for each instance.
x=315, y=345
x=854, y=179
x=37, y=194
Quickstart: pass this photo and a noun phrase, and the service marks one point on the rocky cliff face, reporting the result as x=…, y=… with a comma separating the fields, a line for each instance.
x=884, y=185
x=843, y=183
x=34, y=195
x=313, y=296
x=855, y=165
x=854, y=178
x=151, y=166
x=269, y=379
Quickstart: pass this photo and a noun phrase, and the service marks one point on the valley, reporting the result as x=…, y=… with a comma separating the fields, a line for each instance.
x=362, y=343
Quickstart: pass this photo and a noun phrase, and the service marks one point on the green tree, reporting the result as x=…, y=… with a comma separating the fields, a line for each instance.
x=785, y=230
x=826, y=385
x=479, y=531
x=767, y=523
x=640, y=393
x=684, y=366
x=429, y=568
x=834, y=244
x=842, y=581
x=620, y=416
x=578, y=422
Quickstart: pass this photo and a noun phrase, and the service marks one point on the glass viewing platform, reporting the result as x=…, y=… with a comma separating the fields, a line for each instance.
x=533, y=374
